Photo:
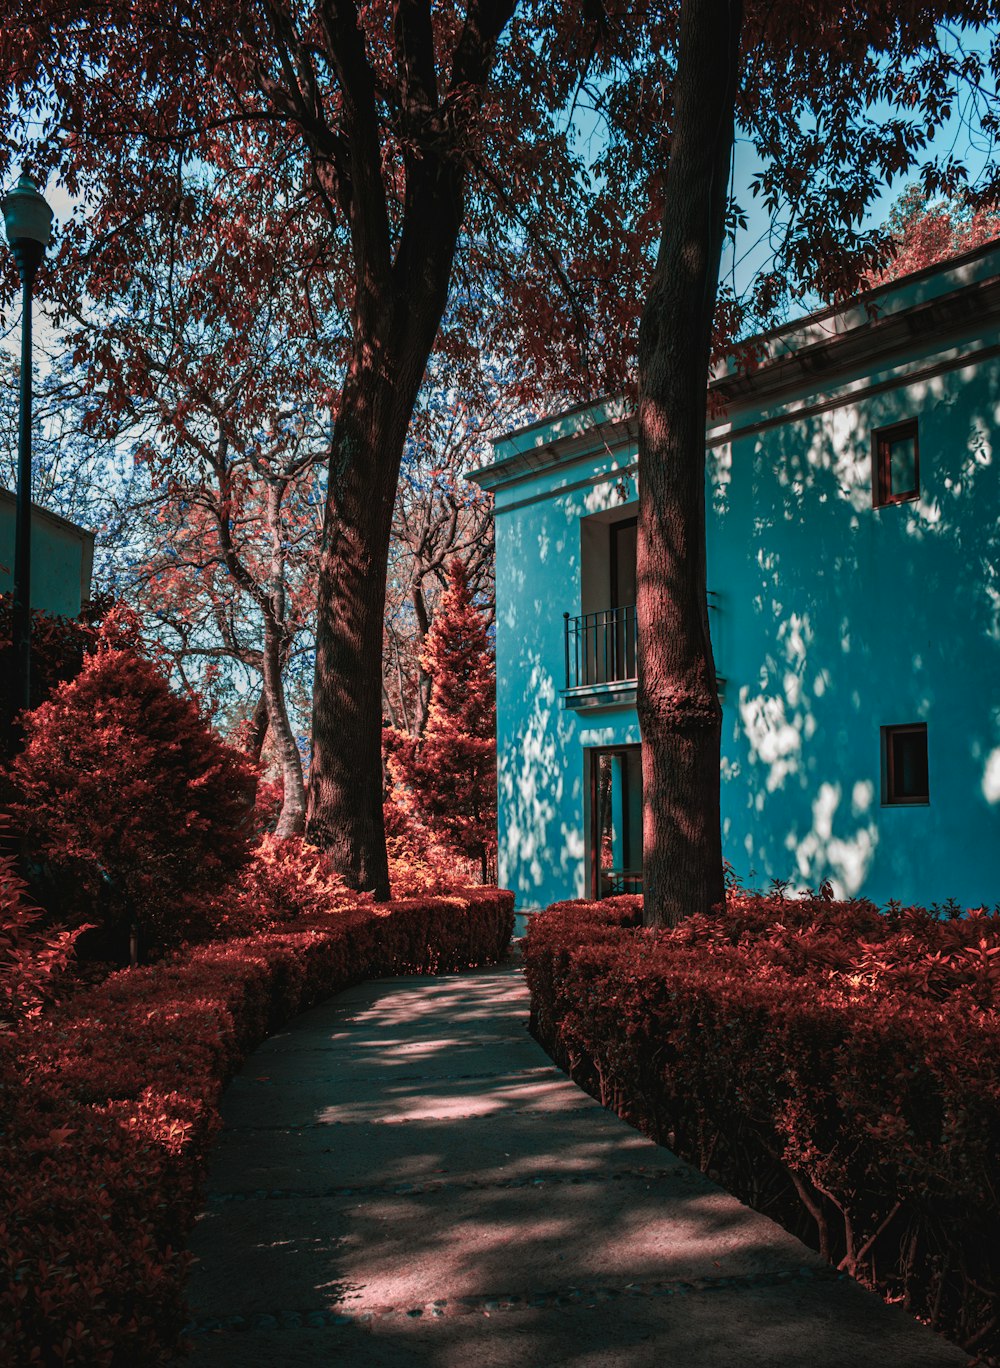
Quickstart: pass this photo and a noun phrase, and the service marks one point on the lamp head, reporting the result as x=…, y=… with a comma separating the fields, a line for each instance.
x=28, y=223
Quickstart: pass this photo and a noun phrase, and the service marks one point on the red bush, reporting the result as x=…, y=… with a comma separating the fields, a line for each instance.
x=418, y=862
x=832, y=1063
x=33, y=961
x=108, y=1107
x=447, y=777
x=132, y=806
x=286, y=880
x=58, y=648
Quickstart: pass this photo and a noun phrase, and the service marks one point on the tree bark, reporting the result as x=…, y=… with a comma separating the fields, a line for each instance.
x=344, y=810
x=401, y=288
x=292, y=818
x=678, y=703
x=423, y=695
x=277, y=641
x=256, y=730
x=345, y=781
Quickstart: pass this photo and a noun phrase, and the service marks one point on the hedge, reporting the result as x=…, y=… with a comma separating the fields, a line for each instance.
x=836, y=1067
x=108, y=1106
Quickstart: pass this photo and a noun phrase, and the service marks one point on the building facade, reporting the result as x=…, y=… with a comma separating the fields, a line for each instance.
x=62, y=559
x=853, y=505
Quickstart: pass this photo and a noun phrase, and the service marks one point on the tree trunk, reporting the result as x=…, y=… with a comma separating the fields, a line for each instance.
x=277, y=648
x=678, y=702
x=256, y=730
x=292, y=818
x=423, y=696
x=345, y=781
x=400, y=296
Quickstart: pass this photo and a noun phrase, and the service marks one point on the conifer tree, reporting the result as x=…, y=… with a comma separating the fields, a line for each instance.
x=450, y=773
x=132, y=807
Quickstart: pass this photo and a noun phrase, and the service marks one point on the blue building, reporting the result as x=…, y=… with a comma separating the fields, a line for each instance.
x=62, y=559
x=854, y=589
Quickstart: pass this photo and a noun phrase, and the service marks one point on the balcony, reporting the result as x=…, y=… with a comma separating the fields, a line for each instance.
x=600, y=651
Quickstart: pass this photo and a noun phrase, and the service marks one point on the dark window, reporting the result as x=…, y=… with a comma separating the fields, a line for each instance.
x=624, y=537
x=904, y=764
x=896, y=463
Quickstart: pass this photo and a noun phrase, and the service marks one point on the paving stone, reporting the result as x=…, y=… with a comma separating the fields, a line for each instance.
x=406, y=1180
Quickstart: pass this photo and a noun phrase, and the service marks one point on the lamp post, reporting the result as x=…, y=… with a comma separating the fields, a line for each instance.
x=28, y=222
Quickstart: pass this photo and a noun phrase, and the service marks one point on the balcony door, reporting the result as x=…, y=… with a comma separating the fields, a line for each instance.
x=624, y=546
x=616, y=821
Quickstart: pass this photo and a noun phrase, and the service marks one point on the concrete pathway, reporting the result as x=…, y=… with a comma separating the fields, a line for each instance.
x=406, y=1179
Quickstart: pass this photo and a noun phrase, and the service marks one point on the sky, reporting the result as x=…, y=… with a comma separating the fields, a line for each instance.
x=750, y=253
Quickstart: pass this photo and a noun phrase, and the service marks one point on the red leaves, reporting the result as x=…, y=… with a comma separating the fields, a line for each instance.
x=447, y=777
x=108, y=1108
x=845, y=1054
x=33, y=959
x=924, y=233
x=138, y=809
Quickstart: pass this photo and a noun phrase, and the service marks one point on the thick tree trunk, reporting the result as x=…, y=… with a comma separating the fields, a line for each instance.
x=400, y=296
x=345, y=781
x=679, y=712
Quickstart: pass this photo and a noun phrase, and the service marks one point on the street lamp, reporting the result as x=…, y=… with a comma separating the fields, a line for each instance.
x=28, y=222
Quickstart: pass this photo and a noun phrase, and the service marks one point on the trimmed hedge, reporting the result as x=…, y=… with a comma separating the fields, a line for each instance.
x=108, y=1107
x=835, y=1066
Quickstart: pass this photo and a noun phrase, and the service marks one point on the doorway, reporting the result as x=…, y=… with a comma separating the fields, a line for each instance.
x=615, y=820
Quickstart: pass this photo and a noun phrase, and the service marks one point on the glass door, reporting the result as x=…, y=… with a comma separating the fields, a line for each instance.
x=616, y=821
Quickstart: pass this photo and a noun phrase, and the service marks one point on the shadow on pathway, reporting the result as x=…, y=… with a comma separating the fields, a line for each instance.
x=404, y=1178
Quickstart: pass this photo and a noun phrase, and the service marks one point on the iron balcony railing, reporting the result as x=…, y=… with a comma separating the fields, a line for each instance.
x=600, y=647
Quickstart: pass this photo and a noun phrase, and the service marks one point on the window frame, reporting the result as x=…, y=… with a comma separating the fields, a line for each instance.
x=632, y=752
x=889, y=798
x=882, y=440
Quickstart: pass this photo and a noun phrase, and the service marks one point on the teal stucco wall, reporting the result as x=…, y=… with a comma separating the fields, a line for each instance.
x=831, y=618
x=541, y=763
x=62, y=557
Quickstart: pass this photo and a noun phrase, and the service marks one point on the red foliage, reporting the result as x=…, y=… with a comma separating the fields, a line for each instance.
x=135, y=808
x=108, y=1107
x=33, y=961
x=926, y=233
x=833, y=1061
x=447, y=777
x=286, y=880
x=58, y=648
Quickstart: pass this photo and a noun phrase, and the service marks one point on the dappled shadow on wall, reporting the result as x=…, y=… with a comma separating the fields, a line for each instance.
x=541, y=801
x=849, y=618
x=536, y=789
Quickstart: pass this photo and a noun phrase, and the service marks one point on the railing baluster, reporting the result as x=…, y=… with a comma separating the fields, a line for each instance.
x=604, y=649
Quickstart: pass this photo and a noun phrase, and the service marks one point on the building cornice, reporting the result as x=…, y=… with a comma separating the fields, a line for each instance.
x=939, y=303
x=865, y=345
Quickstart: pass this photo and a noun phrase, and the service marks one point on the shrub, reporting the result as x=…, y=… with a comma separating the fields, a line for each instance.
x=58, y=646
x=33, y=961
x=129, y=804
x=830, y=1063
x=418, y=862
x=286, y=880
x=109, y=1103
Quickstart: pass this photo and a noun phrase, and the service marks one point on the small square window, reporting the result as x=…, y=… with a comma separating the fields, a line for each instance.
x=895, y=464
x=904, y=764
